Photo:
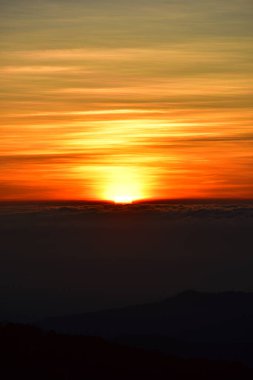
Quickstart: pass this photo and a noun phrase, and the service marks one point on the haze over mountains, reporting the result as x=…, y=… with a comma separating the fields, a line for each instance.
x=67, y=258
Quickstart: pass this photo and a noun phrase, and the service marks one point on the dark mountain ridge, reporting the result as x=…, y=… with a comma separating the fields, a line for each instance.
x=192, y=323
x=28, y=352
x=174, y=316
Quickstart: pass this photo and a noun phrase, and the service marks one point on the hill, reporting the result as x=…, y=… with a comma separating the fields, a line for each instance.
x=214, y=325
x=28, y=352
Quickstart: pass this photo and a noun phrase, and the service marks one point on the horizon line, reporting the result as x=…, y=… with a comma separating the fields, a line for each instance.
x=141, y=201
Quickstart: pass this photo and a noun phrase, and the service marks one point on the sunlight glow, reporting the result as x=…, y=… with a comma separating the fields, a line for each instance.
x=123, y=199
x=124, y=185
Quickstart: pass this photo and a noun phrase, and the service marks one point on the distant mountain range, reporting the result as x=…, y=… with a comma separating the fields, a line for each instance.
x=192, y=323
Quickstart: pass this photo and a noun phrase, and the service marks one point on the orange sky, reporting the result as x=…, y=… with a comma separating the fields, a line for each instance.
x=115, y=101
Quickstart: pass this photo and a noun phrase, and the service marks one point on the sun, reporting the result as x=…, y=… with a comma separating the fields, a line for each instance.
x=124, y=193
x=123, y=186
x=123, y=199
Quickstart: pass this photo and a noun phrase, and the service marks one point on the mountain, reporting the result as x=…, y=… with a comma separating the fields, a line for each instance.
x=29, y=353
x=214, y=325
x=188, y=314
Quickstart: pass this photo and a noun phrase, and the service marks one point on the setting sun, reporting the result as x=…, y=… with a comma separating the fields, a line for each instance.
x=123, y=199
x=124, y=185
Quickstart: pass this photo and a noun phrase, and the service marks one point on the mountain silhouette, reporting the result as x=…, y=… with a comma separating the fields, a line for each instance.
x=29, y=353
x=183, y=315
x=215, y=325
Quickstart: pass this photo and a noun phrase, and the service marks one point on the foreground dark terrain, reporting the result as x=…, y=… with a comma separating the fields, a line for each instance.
x=29, y=353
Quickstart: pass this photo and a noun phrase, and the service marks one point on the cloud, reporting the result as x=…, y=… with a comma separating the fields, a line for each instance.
x=104, y=112
x=204, y=86
x=185, y=54
x=32, y=70
x=182, y=210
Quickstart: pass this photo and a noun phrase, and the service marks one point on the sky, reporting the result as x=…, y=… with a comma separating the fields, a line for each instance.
x=116, y=100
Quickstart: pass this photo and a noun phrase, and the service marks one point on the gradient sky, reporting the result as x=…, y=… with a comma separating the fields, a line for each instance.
x=140, y=99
